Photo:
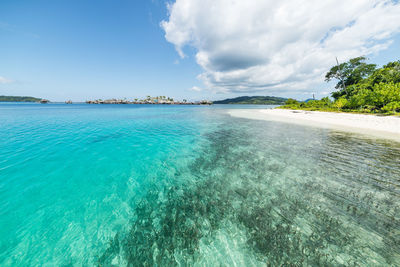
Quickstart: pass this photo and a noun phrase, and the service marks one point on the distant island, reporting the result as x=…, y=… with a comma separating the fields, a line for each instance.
x=4, y=98
x=254, y=100
x=160, y=100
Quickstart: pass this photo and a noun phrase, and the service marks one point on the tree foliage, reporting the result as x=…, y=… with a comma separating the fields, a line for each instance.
x=361, y=87
x=348, y=74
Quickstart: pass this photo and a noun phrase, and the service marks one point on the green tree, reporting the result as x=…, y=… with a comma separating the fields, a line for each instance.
x=349, y=73
x=385, y=93
x=291, y=101
x=388, y=73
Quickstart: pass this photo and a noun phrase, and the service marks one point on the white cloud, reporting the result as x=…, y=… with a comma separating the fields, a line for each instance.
x=196, y=89
x=4, y=80
x=247, y=46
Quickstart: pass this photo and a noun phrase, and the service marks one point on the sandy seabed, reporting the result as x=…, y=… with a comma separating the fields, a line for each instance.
x=387, y=127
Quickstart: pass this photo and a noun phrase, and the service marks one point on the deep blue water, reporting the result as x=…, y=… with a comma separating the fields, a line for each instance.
x=103, y=185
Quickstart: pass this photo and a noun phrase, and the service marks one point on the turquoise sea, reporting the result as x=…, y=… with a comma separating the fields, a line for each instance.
x=149, y=185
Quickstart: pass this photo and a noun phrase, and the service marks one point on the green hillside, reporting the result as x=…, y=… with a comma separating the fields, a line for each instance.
x=254, y=100
x=4, y=98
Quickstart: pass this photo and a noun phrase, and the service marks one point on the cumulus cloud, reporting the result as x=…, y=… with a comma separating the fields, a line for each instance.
x=248, y=46
x=4, y=80
x=196, y=89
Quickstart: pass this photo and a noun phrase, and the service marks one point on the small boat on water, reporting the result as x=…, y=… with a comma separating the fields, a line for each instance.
x=44, y=101
x=68, y=102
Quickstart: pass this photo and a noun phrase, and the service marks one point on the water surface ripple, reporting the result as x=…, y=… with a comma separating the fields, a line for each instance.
x=84, y=185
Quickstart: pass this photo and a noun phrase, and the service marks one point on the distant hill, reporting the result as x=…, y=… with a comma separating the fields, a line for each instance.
x=4, y=98
x=255, y=100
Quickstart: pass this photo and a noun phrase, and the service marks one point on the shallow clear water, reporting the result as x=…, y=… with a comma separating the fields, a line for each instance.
x=84, y=185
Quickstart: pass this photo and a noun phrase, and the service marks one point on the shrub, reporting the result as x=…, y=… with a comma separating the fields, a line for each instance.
x=392, y=107
x=340, y=103
x=291, y=101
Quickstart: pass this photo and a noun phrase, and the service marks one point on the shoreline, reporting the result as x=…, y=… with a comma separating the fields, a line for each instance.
x=386, y=127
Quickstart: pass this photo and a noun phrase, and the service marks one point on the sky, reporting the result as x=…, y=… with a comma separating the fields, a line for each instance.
x=187, y=49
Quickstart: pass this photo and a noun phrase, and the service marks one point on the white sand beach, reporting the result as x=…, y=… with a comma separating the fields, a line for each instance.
x=387, y=127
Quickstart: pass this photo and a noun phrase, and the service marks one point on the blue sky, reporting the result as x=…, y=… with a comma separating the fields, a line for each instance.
x=90, y=49
x=104, y=49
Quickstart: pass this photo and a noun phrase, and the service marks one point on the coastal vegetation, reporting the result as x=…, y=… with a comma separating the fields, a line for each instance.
x=254, y=100
x=4, y=98
x=361, y=87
